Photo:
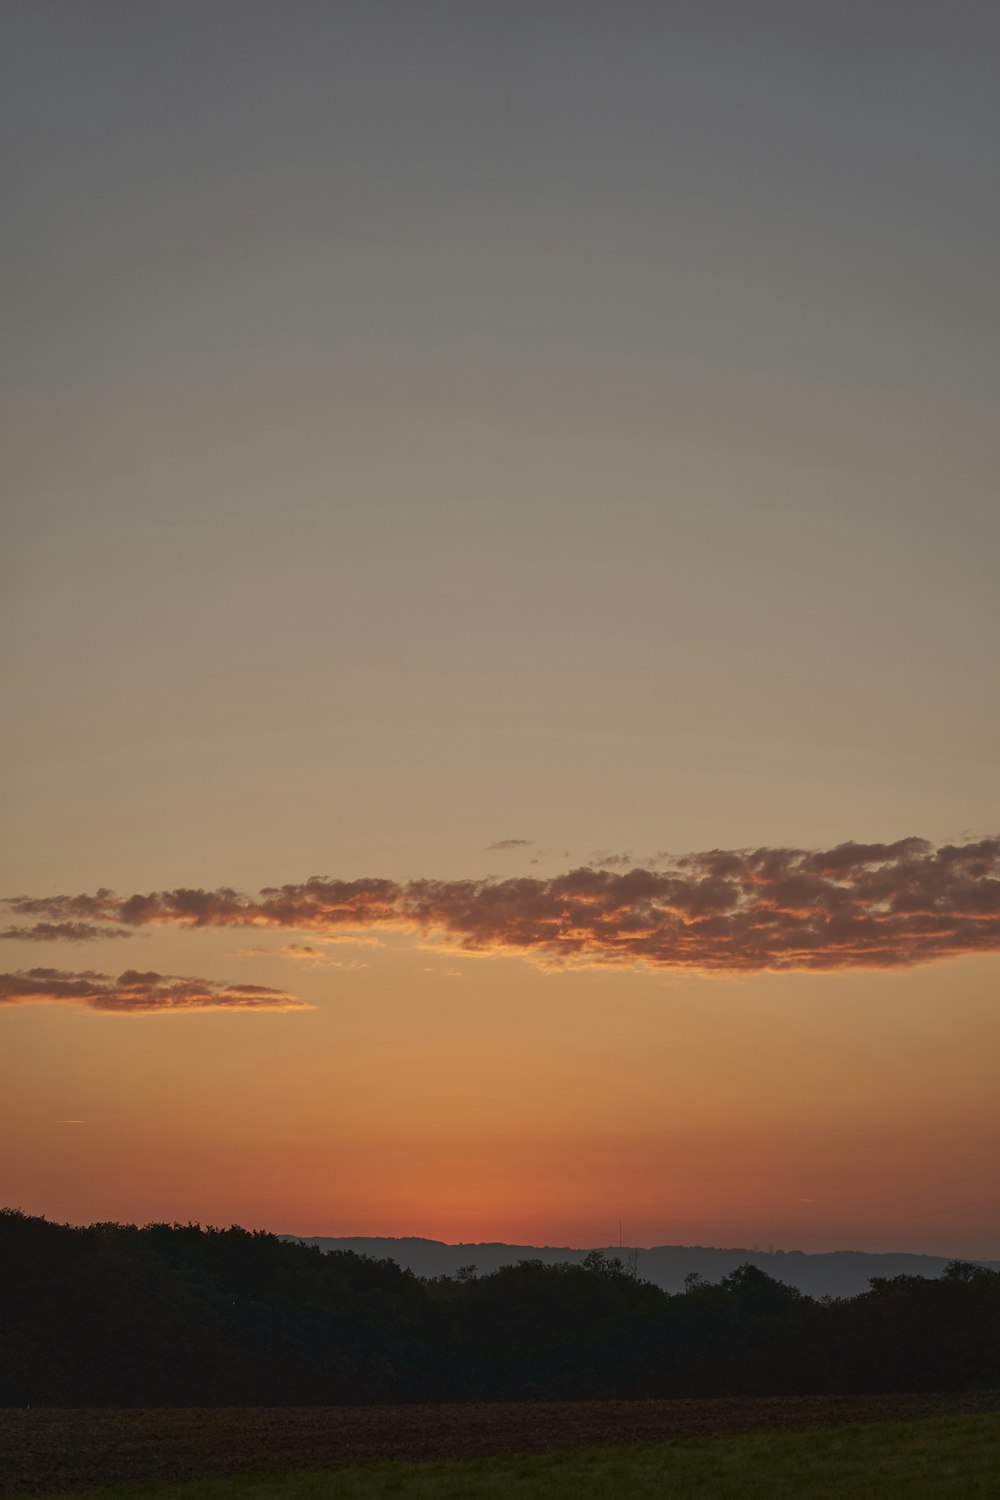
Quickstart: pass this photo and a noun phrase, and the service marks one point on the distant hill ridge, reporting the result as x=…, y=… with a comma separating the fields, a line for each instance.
x=835, y=1273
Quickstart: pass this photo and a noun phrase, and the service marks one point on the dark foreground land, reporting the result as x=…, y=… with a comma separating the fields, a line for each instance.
x=63, y=1450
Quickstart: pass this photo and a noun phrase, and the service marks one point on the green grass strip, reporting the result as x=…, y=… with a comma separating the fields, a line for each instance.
x=943, y=1458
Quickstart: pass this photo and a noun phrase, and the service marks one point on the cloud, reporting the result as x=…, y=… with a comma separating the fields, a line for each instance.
x=317, y=903
x=510, y=844
x=67, y=932
x=135, y=991
x=351, y=940
x=303, y=953
x=719, y=911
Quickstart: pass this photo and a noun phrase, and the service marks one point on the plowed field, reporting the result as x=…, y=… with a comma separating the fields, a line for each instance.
x=54, y=1449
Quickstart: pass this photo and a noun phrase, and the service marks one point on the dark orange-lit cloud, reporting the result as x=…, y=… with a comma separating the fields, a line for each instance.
x=135, y=991
x=853, y=906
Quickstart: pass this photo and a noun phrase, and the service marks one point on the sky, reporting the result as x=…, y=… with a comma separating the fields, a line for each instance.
x=501, y=730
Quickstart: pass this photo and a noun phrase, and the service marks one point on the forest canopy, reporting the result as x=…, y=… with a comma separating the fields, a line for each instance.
x=180, y=1315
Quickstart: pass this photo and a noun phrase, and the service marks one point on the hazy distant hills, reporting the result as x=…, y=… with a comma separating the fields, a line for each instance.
x=838, y=1273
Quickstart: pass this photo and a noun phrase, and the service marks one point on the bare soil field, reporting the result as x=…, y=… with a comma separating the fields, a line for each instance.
x=56, y=1449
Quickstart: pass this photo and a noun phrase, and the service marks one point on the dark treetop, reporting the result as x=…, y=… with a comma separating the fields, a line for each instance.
x=177, y=1315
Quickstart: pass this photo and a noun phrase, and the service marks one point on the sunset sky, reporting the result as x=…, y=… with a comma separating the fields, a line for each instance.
x=500, y=598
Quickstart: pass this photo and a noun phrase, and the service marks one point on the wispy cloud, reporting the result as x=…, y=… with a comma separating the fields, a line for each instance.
x=303, y=953
x=853, y=906
x=350, y=940
x=135, y=991
x=510, y=844
x=67, y=932
x=604, y=859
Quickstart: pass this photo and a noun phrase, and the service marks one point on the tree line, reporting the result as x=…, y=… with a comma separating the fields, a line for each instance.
x=179, y=1315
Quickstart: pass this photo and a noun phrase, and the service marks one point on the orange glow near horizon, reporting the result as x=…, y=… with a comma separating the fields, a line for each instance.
x=503, y=1103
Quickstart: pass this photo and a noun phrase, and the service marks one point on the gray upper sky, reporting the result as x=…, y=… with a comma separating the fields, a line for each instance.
x=433, y=423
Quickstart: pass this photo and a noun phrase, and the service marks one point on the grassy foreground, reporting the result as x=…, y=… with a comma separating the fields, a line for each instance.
x=945, y=1458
